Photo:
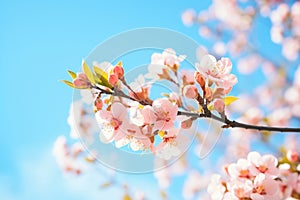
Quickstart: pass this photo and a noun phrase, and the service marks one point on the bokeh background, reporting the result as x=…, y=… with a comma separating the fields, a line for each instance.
x=39, y=40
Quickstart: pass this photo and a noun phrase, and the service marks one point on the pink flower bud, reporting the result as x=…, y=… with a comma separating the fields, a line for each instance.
x=219, y=105
x=113, y=79
x=81, y=81
x=199, y=78
x=292, y=156
x=119, y=71
x=190, y=91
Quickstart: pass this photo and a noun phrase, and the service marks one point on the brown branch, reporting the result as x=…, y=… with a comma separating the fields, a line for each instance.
x=207, y=114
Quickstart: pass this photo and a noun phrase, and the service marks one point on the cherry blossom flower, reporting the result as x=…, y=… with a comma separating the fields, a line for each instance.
x=239, y=169
x=265, y=188
x=194, y=183
x=217, y=71
x=239, y=189
x=159, y=62
x=81, y=81
x=161, y=114
x=190, y=91
x=172, y=144
x=112, y=122
x=266, y=164
x=216, y=188
x=66, y=156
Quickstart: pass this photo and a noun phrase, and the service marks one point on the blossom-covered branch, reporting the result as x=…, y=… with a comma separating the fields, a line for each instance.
x=155, y=120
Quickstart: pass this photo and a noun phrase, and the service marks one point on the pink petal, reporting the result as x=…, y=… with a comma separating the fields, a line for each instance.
x=118, y=111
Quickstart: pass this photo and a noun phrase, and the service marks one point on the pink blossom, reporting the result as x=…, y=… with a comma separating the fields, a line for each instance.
x=66, y=155
x=187, y=76
x=219, y=48
x=280, y=14
x=119, y=71
x=172, y=144
x=295, y=13
x=219, y=105
x=265, y=188
x=113, y=79
x=280, y=117
x=188, y=17
x=112, y=122
x=240, y=188
x=239, y=169
x=168, y=58
x=292, y=156
x=190, y=91
x=193, y=184
x=81, y=81
x=216, y=188
x=161, y=114
x=166, y=113
x=253, y=116
x=266, y=164
x=290, y=48
x=175, y=98
x=248, y=64
x=217, y=71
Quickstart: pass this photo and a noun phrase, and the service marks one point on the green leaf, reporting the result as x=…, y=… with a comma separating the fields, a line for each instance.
x=103, y=76
x=88, y=72
x=68, y=83
x=229, y=100
x=72, y=74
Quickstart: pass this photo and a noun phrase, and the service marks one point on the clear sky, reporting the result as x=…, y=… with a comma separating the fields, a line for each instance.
x=39, y=40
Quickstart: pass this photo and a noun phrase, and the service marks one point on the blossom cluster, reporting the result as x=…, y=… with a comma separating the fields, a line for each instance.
x=258, y=177
x=127, y=115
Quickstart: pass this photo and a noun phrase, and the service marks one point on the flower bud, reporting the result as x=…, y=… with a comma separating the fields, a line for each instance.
x=199, y=78
x=292, y=156
x=81, y=81
x=219, y=105
x=190, y=91
x=119, y=71
x=113, y=79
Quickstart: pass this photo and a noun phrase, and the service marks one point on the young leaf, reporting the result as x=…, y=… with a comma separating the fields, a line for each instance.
x=126, y=197
x=68, y=83
x=103, y=76
x=72, y=74
x=229, y=99
x=88, y=72
x=119, y=63
x=210, y=107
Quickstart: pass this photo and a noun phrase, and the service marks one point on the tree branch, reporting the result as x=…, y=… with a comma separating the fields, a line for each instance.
x=207, y=114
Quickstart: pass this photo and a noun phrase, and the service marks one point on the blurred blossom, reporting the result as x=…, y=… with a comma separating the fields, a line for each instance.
x=66, y=156
x=219, y=48
x=204, y=31
x=248, y=64
x=193, y=184
x=279, y=117
x=188, y=17
x=291, y=48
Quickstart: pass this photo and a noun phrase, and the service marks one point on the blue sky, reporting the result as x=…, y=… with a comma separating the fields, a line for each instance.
x=38, y=42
